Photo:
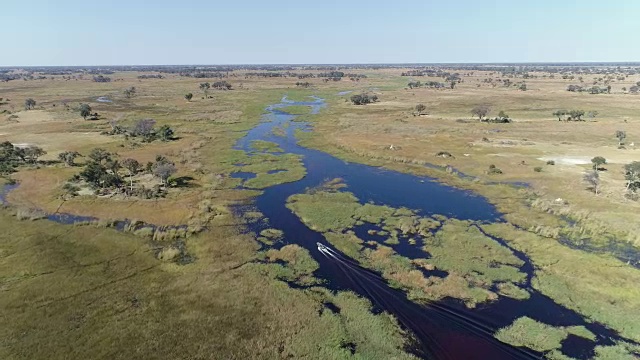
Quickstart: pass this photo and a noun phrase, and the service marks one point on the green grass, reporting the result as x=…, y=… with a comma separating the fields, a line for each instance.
x=597, y=286
x=474, y=261
x=296, y=109
x=288, y=168
x=265, y=146
x=324, y=211
x=465, y=250
x=538, y=336
x=86, y=292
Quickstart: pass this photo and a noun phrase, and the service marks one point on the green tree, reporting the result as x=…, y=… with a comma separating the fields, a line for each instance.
x=132, y=166
x=560, y=114
x=632, y=175
x=93, y=173
x=68, y=157
x=85, y=110
x=621, y=135
x=188, y=96
x=130, y=92
x=29, y=104
x=99, y=156
x=205, y=88
x=32, y=153
x=576, y=115
x=598, y=161
x=165, y=133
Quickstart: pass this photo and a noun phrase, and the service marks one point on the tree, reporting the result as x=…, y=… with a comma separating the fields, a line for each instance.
x=99, y=155
x=560, y=114
x=68, y=157
x=453, y=85
x=597, y=162
x=632, y=175
x=621, y=135
x=522, y=87
x=85, y=110
x=481, y=111
x=32, y=153
x=164, y=170
x=132, y=165
x=363, y=99
x=503, y=115
x=420, y=108
x=593, y=179
x=165, y=133
x=576, y=114
x=29, y=104
x=93, y=173
x=221, y=85
x=205, y=87
x=130, y=92
x=188, y=96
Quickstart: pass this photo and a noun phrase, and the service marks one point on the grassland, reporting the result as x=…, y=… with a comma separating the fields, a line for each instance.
x=472, y=261
x=75, y=291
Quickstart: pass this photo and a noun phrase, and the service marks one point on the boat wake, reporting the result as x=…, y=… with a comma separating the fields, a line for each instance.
x=441, y=331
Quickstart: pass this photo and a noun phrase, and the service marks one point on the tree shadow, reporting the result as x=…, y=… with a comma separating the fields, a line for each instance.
x=183, y=182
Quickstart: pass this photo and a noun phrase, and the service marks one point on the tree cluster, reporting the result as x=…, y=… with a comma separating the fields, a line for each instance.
x=158, y=76
x=102, y=171
x=145, y=129
x=12, y=156
x=429, y=84
x=363, y=99
x=573, y=115
x=101, y=79
x=221, y=85
x=590, y=90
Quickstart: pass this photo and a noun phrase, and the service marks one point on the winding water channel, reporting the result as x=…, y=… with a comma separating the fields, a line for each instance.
x=441, y=330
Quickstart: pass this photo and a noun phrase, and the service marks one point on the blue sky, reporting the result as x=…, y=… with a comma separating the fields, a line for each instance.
x=81, y=32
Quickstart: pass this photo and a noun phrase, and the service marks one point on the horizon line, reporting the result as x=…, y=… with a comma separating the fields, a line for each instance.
x=636, y=62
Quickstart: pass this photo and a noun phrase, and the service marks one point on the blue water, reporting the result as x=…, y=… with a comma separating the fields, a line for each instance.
x=446, y=329
x=459, y=333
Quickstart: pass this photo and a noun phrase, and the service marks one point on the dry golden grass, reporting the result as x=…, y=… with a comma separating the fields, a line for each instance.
x=366, y=132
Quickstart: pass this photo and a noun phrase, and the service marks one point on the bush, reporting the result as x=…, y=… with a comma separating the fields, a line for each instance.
x=493, y=170
x=363, y=99
x=537, y=169
x=551, y=162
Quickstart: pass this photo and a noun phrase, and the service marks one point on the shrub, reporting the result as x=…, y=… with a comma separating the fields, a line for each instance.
x=537, y=169
x=493, y=170
x=551, y=162
x=363, y=99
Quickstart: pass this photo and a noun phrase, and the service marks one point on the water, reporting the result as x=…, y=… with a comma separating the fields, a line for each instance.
x=444, y=330
x=103, y=99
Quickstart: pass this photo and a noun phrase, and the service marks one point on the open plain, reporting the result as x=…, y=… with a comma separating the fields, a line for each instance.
x=174, y=256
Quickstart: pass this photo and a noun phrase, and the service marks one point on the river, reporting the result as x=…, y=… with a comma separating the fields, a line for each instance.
x=441, y=330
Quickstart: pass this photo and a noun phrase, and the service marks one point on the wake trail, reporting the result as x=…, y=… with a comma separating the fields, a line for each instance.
x=430, y=323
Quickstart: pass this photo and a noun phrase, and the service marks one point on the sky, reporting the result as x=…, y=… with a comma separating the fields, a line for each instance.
x=134, y=32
